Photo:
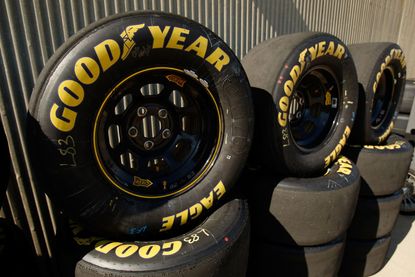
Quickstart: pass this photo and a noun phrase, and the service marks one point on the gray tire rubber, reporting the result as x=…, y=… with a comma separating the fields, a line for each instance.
x=375, y=217
x=408, y=97
x=217, y=247
x=69, y=149
x=381, y=69
x=279, y=67
x=364, y=258
x=383, y=169
x=279, y=260
x=303, y=211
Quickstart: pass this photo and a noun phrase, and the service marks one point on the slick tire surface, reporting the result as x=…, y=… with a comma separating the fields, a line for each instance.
x=383, y=168
x=278, y=260
x=217, y=247
x=379, y=66
x=278, y=67
x=74, y=93
x=364, y=258
x=304, y=211
x=375, y=217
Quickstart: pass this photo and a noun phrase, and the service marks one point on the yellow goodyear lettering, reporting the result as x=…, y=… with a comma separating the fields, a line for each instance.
x=319, y=49
x=87, y=70
x=108, y=52
x=195, y=210
x=125, y=250
x=345, y=166
x=106, y=246
x=199, y=46
x=333, y=155
x=177, y=38
x=396, y=145
x=159, y=36
x=148, y=251
x=171, y=247
x=385, y=135
x=394, y=54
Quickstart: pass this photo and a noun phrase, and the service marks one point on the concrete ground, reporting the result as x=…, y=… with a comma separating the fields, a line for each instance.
x=400, y=257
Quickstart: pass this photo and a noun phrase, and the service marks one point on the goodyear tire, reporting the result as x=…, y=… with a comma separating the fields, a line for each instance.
x=383, y=168
x=304, y=123
x=4, y=164
x=375, y=217
x=141, y=123
x=217, y=247
x=322, y=207
x=364, y=258
x=381, y=69
x=281, y=260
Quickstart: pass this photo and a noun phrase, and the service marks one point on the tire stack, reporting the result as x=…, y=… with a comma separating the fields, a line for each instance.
x=302, y=192
x=382, y=159
x=140, y=125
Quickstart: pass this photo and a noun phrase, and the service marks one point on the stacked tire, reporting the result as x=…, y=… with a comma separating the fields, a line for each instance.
x=382, y=159
x=302, y=192
x=140, y=125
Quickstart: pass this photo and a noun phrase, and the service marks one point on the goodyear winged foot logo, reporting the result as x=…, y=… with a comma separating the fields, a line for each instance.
x=72, y=90
x=128, y=36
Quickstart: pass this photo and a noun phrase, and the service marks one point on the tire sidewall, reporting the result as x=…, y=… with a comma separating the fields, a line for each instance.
x=100, y=204
x=392, y=57
x=343, y=68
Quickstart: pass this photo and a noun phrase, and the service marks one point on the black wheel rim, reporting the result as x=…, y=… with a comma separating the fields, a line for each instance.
x=314, y=108
x=157, y=133
x=382, y=101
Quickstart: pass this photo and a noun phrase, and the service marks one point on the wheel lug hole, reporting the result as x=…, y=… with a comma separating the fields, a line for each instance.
x=162, y=113
x=133, y=132
x=148, y=145
x=166, y=134
x=142, y=111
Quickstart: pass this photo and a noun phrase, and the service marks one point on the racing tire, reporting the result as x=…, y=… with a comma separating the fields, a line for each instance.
x=381, y=69
x=383, y=168
x=140, y=124
x=304, y=211
x=217, y=247
x=303, y=124
x=364, y=258
x=375, y=217
x=281, y=260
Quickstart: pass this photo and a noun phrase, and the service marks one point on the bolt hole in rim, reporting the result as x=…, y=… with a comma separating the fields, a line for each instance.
x=314, y=108
x=383, y=99
x=157, y=133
